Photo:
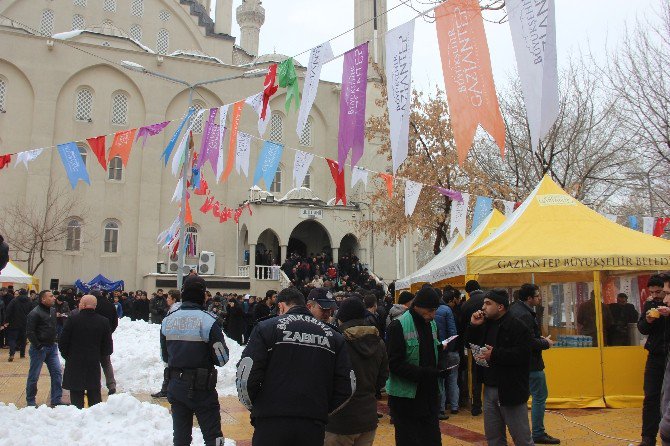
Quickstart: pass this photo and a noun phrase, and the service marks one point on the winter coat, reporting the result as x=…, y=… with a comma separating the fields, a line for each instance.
x=4, y=255
x=658, y=332
x=510, y=358
x=17, y=312
x=158, y=308
x=41, y=326
x=86, y=338
x=106, y=309
x=474, y=303
x=367, y=353
x=295, y=366
x=64, y=309
x=127, y=306
x=526, y=315
x=235, y=322
x=2, y=312
x=446, y=325
x=141, y=309
x=261, y=311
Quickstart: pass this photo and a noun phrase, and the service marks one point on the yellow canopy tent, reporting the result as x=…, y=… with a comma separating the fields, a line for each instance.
x=13, y=274
x=554, y=238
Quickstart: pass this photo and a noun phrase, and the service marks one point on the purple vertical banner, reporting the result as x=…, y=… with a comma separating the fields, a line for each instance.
x=209, y=148
x=351, y=135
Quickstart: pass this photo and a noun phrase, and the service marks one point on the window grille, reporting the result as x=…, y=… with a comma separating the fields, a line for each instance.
x=197, y=120
x=276, y=128
x=84, y=105
x=81, y=3
x=306, y=135
x=3, y=93
x=164, y=15
x=109, y=5
x=162, y=41
x=78, y=22
x=47, y=23
x=137, y=8
x=120, y=109
x=135, y=33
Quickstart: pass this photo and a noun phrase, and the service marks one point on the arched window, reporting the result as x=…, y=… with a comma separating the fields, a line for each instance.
x=191, y=241
x=47, y=23
x=84, y=105
x=135, y=32
x=162, y=41
x=197, y=119
x=306, y=135
x=81, y=3
x=83, y=151
x=120, y=109
x=73, y=240
x=307, y=182
x=3, y=93
x=164, y=15
x=276, y=184
x=276, y=127
x=78, y=22
x=109, y=5
x=137, y=8
x=115, y=169
x=111, y=237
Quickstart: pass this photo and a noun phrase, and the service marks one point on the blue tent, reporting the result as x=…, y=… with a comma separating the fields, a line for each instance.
x=99, y=282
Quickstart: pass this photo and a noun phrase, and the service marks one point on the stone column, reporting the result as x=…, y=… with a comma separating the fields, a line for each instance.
x=335, y=254
x=252, y=260
x=283, y=253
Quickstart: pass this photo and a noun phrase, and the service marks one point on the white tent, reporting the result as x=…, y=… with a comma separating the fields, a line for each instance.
x=406, y=282
x=13, y=274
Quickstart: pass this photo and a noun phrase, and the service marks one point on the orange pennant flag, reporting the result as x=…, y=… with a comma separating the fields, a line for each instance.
x=234, y=124
x=468, y=79
x=123, y=142
x=188, y=218
x=389, y=183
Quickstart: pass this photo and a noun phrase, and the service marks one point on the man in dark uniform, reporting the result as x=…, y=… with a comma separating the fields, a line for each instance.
x=192, y=343
x=294, y=372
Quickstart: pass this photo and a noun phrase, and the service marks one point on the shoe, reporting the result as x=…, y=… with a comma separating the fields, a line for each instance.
x=443, y=416
x=454, y=411
x=10, y=359
x=112, y=391
x=648, y=441
x=159, y=394
x=476, y=411
x=60, y=404
x=22, y=355
x=546, y=439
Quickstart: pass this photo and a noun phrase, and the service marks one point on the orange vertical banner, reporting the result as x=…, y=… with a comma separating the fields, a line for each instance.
x=123, y=142
x=468, y=79
x=388, y=179
x=234, y=124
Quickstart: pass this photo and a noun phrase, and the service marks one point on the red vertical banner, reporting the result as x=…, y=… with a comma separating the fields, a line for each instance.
x=468, y=78
x=123, y=142
x=232, y=147
x=388, y=179
x=338, y=178
x=610, y=290
x=660, y=225
x=97, y=145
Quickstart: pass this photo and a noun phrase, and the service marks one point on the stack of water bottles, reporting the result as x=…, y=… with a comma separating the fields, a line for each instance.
x=574, y=341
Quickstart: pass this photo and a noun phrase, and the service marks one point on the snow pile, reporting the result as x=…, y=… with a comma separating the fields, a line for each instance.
x=138, y=367
x=121, y=420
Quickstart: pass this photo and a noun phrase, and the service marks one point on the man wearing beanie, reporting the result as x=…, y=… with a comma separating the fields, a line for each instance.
x=192, y=343
x=413, y=384
x=356, y=423
x=506, y=373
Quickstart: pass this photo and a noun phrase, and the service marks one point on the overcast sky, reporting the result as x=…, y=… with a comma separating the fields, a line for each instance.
x=296, y=25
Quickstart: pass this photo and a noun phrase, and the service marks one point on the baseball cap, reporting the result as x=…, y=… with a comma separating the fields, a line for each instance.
x=323, y=297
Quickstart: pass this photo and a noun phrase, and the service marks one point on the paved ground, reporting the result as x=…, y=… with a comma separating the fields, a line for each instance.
x=460, y=430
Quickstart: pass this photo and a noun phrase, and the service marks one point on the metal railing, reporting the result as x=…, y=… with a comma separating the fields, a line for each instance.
x=264, y=272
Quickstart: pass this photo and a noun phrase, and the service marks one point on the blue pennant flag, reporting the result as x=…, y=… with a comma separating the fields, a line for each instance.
x=73, y=163
x=170, y=147
x=483, y=207
x=268, y=163
x=632, y=222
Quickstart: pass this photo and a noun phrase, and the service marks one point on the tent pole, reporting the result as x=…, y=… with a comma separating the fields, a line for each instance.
x=532, y=278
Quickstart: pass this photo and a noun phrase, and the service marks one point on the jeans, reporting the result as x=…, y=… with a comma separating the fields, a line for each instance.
x=538, y=390
x=651, y=406
x=497, y=417
x=48, y=354
x=451, y=384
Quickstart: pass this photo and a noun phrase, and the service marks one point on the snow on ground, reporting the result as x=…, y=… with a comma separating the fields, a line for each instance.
x=138, y=367
x=121, y=420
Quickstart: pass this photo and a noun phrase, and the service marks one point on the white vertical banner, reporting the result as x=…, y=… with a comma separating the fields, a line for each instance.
x=359, y=174
x=509, y=207
x=459, y=214
x=242, y=152
x=317, y=57
x=300, y=167
x=256, y=102
x=176, y=196
x=223, y=113
x=625, y=286
x=399, y=45
x=179, y=154
x=648, y=225
x=533, y=26
x=27, y=156
x=412, y=192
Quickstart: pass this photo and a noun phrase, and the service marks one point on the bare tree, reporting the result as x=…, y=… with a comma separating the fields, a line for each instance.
x=34, y=229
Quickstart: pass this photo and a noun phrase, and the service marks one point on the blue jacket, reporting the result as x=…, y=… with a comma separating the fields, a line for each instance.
x=446, y=325
x=119, y=309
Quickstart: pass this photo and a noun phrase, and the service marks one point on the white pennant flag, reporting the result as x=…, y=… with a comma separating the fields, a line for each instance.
x=242, y=151
x=533, y=26
x=399, y=45
x=459, y=213
x=223, y=113
x=256, y=102
x=317, y=57
x=359, y=174
x=179, y=154
x=648, y=225
x=27, y=156
x=611, y=217
x=509, y=207
x=300, y=167
x=176, y=196
x=412, y=192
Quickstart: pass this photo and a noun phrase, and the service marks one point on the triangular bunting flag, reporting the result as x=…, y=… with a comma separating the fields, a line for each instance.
x=97, y=145
x=338, y=178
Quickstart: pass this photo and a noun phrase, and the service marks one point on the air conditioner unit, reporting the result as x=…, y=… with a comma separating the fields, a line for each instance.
x=206, y=263
x=173, y=266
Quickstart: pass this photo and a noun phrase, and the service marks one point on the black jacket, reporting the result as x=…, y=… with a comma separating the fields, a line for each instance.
x=261, y=311
x=158, y=308
x=658, y=332
x=106, y=309
x=17, y=312
x=368, y=358
x=141, y=309
x=295, y=366
x=526, y=315
x=510, y=358
x=41, y=326
x=4, y=255
x=474, y=303
x=85, y=340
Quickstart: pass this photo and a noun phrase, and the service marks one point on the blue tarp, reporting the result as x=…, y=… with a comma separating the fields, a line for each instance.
x=99, y=282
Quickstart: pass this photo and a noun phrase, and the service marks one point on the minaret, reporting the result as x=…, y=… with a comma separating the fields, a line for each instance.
x=372, y=31
x=250, y=17
x=224, y=16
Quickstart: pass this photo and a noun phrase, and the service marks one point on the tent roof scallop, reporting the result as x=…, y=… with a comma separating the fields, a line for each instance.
x=553, y=232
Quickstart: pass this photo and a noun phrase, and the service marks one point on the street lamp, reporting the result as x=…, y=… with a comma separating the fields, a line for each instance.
x=249, y=74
